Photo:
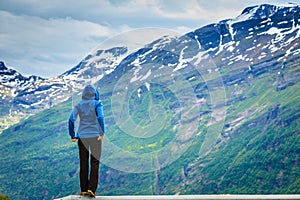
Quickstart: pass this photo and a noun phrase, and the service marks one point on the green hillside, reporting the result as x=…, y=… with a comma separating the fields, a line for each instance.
x=257, y=154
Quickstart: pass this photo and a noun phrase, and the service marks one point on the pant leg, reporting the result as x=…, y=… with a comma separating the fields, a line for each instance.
x=95, y=147
x=84, y=164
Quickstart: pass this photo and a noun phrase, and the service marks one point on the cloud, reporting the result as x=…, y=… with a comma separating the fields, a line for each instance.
x=202, y=10
x=206, y=11
x=47, y=42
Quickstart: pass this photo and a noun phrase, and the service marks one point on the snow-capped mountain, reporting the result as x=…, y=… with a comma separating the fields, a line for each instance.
x=231, y=55
x=38, y=93
x=22, y=95
x=261, y=39
x=95, y=66
x=265, y=29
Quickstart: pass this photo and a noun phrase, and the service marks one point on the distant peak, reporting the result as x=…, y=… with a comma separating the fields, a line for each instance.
x=265, y=10
x=260, y=11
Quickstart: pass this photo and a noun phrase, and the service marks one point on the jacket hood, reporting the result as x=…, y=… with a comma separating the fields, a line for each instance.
x=90, y=92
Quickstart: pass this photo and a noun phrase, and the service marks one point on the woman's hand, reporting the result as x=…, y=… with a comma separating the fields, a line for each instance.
x=74, y=139
x=100, y=137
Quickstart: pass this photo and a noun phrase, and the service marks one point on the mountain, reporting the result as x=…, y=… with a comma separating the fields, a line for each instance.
x=23, y=96
x=215, y=111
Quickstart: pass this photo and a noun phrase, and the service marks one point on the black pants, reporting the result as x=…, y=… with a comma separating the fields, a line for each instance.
x=89, y=147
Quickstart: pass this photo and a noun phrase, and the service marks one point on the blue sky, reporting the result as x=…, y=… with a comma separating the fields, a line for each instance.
x=46, y=38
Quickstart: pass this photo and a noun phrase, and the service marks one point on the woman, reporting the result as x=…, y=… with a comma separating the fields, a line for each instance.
x=90, y=134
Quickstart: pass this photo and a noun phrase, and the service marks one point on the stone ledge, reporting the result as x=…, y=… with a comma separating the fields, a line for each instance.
x=188, y=197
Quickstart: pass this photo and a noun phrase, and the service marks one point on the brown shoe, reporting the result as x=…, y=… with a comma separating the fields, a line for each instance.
x=91, y=193
x=83, y=193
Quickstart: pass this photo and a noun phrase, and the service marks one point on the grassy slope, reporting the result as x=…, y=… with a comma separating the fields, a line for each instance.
x=260, y=157
x=38, y=156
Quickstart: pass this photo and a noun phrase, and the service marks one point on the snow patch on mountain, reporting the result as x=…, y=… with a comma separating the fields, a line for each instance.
x=162, y=42
x=182, y=62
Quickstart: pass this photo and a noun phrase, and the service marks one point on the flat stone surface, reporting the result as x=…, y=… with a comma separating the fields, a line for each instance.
x=186, y=197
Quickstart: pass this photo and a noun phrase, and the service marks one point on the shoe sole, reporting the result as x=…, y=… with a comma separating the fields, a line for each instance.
x=91, y=194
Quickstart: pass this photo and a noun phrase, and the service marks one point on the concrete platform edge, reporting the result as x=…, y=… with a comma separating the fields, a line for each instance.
x=188, y=197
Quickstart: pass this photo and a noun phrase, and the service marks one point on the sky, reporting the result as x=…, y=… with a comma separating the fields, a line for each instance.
x=47, y=38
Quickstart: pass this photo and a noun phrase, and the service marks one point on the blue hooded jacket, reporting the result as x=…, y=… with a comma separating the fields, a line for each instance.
x=90, y=112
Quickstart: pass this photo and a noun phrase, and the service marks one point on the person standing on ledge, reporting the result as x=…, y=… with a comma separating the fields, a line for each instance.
x=90, y=134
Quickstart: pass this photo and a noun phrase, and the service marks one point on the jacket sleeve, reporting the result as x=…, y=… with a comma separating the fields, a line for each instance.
x=100, y=117
x=72, y=119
